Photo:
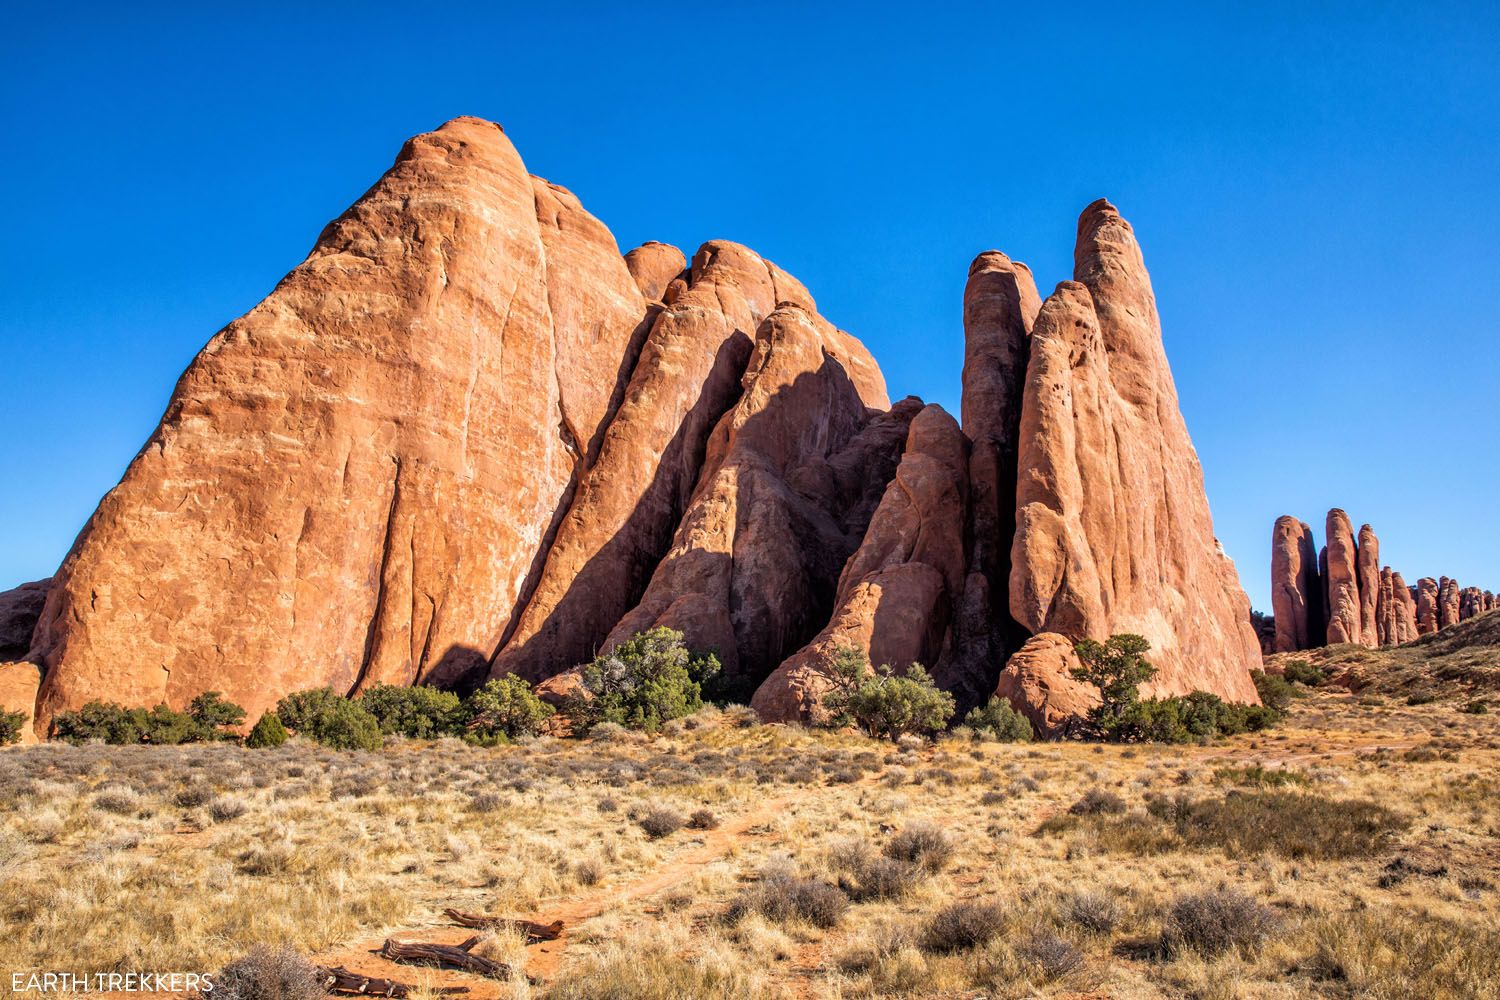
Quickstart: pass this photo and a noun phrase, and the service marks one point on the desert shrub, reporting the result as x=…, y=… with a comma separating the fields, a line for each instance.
x=213, y=717
x=922, y=844
x=661, y=822
x=641, y=683
x=1095, y=912
x=11, y=724
x=97, y=721
x=192, y=796
x=1422, y=698
x=1000, y=722
x=225, y=808
x=589, y=871
x=330, y=719
x=419, y=712
x=961, y=926
x=120, y=801
x=1245, y=824
x=267, y=733
x=504, y=709
x=1055, y=956
x=486, y=802
x=879, y=877
x=1275, y=692
x=163, y=727
x=1214, y=922
x=1302, y=672
x=1196, y=716
x=1477, y=707
x=782, y=895
x=268, y=974
x=882, y=702
x=703, y=819
x=1097, y=801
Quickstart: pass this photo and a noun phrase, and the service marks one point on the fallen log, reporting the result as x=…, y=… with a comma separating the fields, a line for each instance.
x=454, y=956
x=533, y=930
x=341, y=980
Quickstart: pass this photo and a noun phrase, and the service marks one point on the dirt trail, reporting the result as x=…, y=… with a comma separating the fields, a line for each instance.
x=545, y=958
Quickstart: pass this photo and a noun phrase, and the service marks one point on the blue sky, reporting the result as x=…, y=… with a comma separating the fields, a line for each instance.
x=1315, y=193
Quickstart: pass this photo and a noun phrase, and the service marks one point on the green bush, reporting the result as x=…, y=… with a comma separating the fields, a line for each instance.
x=1275, y=692
x=98, y=720
x=11, y=724
x=420, y=712
x=330, y=719
x=1302, y=672
x=999, y=721
x=641, y=683
x=1477, y=707
x=165, y=728
x=1117, y=667
x=214, y=717
x=882, y=702
x=268, y=733
x=503, y=709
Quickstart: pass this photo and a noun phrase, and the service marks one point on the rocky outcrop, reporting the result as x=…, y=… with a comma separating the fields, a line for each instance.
x=1367, y=606
x=1367, y=569
x=1296, y=588
x=1342, y=581
x=897, y=593
x=19, y=682
x=1113, y=532
x=779, y=507
x=1038, y=682
x=19, y=610
x=1428, y=614
x=467, y=437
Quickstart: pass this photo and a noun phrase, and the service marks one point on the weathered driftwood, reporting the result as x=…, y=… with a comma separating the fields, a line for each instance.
x=455, y=956
x=533, y=931
x=341, y=980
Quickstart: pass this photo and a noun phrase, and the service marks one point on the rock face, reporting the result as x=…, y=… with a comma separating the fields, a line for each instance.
x=1296, y=590
x=467, y=437
x=365, y=463
x=1113, y=532
x=1404, y=614
x=1038, y=682
x=19, y=610
x=897, y=593
x=1427, y=606
x=1367, y=568
x=1342, y=581
x=1448, y=602
x=19, y=682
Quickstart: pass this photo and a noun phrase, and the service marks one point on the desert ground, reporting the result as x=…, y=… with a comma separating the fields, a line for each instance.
x=1351, y=852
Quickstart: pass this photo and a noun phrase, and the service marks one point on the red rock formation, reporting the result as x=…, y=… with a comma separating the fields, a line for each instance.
x=1296, y=589
x=1367, y=569
x=1448, y=602
x=1385, y=609
x=897, y=592
x=19, y=682
x=1264, y=627
x=620, y=523
x=1342, y=581
x=1113, y=531
x=1428, y=612
x=350, y=481
x=1038, y=682
x=654, y=266
x=1470, y=603
x=19, y=610
x=1404, y=626
x=1000, y=306
x=752, y=570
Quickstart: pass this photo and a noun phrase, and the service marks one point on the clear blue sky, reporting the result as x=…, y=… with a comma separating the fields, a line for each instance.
x=1315, y=193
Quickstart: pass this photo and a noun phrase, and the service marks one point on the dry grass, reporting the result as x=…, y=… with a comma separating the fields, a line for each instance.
x=1356, y=844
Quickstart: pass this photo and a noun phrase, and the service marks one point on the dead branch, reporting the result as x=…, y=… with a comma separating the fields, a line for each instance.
x=533, y=931
x=341, y=980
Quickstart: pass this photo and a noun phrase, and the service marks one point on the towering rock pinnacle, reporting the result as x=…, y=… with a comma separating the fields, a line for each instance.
x=1296, y=587
x=1113, y=531
x=1342, y=581
x=1367, y=569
